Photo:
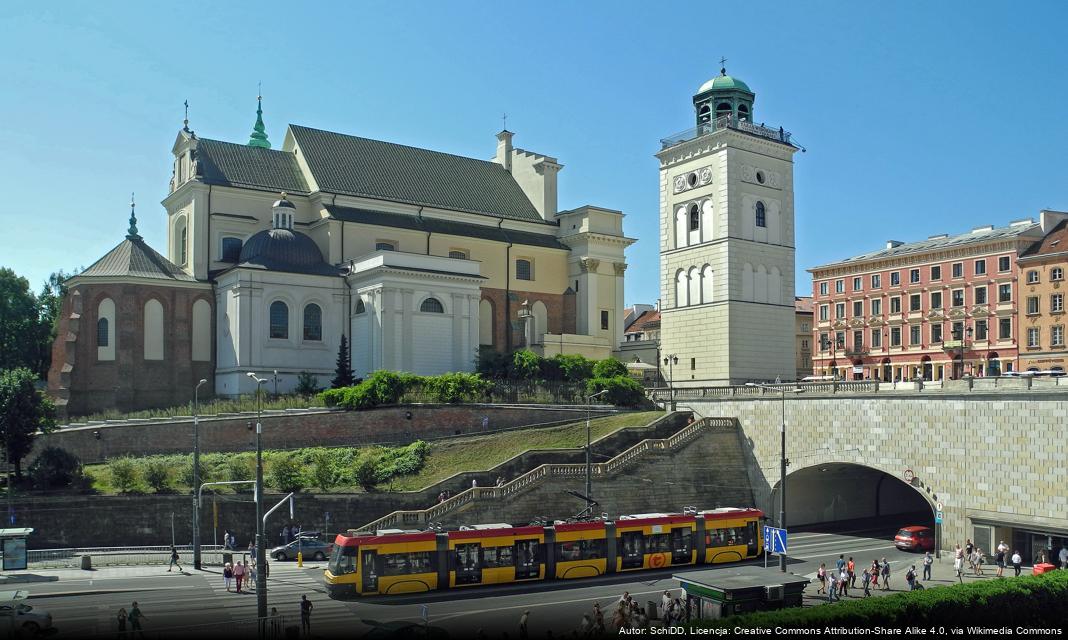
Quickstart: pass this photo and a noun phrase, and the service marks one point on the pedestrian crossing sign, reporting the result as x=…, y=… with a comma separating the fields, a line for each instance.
x=774, y=540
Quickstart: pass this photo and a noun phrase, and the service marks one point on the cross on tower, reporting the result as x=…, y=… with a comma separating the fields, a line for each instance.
x=504, y=119
x=723, y=66
x=186, y=121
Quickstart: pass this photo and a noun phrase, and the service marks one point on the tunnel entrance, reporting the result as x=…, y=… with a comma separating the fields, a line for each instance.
x=838, y=493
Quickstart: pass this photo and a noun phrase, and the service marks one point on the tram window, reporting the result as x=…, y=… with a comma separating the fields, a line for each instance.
x=680, y=544
x=527, y=553
x=495, y=557
x=592, y=549
x=343, y=560
x=399, y=564
x=466, y=556
x=726, y=537
x=580, y=550
x=658, y=543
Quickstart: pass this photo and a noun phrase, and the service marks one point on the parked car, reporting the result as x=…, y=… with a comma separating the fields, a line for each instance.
x=310, y=545
x=915, y=538
x=16, y=614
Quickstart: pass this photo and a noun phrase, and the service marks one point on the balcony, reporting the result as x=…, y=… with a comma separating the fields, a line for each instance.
x=856, y=351
x=728, y=122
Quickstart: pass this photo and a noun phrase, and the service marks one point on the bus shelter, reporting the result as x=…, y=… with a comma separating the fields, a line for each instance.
x=718, y=593
x=13, y=542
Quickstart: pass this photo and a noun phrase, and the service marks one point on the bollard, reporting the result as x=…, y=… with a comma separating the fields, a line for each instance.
x=87, y=562
x=300, y=558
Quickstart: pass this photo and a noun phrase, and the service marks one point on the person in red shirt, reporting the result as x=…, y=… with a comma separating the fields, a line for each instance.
x=851, y=568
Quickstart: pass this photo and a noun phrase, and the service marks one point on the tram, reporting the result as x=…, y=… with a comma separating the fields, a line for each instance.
x=392, y=561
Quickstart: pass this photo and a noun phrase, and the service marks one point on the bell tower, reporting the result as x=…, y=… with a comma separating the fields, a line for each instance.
x=723, y=96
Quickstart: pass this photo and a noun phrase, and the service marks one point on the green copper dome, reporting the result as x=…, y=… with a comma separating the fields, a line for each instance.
x=724, y=82
x=259, y=134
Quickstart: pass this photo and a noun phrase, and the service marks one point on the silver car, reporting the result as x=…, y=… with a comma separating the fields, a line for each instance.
x=312, y=548
x=15, y=614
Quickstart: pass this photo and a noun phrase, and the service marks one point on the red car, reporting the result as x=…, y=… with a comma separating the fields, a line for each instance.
x=915, y=539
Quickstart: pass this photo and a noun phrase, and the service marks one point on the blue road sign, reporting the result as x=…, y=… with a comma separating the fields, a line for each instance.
x=774, y=540
x=938, y=517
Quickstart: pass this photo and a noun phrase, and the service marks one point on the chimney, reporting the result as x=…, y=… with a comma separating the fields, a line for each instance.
x=658, y=305
x=893, y=244
x=504, y=150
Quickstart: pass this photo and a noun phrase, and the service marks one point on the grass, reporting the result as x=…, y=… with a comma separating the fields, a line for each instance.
x=208, y=408
x=479, y=453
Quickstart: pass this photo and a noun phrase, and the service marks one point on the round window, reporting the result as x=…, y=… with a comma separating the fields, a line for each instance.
x=692, y=179
x=760, y=177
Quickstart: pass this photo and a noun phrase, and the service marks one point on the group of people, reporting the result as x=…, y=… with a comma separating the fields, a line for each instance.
x=836, y=582
x=241, y=572
x=289, y=533
x=975, y=558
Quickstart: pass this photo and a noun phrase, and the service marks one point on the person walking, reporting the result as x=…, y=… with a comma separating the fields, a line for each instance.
x=239, y=574
x=840, y=563
x=250, y=579
x=958, y=563
x=999, y=560
x=969, y=550
x=1063, y=557
x=598, y=619
x=174, y=560
x=121, y=619
x=228, y=574
x=979, y=559
x=928, y=560
x=821, y=579
x=866, y=581
x=843, y=583
x=910, y=577
x=851, y=567
x=305, y=615
x=1017, y=560
x=226, y=541
x=135, y=618
x=886, y=575
x=875, y=573
x=523, y=624
x=832, y=587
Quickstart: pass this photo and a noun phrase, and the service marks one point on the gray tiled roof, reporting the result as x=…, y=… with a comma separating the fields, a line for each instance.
x=434, y=225
x=238, y=165
x=371, y=168
x=979, y=235
x=135, y=259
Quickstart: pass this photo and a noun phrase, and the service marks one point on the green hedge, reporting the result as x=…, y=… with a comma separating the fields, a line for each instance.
x=1038, y=601
x=623, y=391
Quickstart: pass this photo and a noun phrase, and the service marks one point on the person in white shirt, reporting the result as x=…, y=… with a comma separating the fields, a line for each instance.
x=1016, y=562
x=1064, y=557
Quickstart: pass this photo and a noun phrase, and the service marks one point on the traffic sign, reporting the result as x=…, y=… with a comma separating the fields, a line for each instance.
x=775, y=540
x=939, y=506
x=938, y=517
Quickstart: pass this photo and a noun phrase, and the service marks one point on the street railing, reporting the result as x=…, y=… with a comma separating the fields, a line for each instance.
x=274, y=627
x=71, y=558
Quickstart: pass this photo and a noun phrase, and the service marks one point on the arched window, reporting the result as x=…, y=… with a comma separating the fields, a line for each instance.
x=105, y=330
x=761, y=215
x=680, y=228
x=694, y=276
x=706, y=284
x=201, y=331
x=279, y=320
x=485, y=322
x=681, y=299
x=723, y=109
x=743, y=112
x=458, y=255
x=431, y=305
x=153, y=330
x=360, y=307
x=703, y=115
x=313, y=322
x=522, y=270
x=695, y=217
x=102, y=332
x=231, y=249
x=183, y=251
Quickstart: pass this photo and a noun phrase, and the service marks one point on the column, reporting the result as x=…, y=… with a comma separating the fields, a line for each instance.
x=589, y=317
x=617, y=308
x=407, y=360
x=472, y=332
x=459, y=301
x=385, y=310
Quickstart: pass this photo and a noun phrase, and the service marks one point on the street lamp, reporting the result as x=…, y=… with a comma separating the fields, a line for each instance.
x=670, y=361
x=196, y=474
x=261, y=552
x=958, y=362
x=589, y=466
x=782, y=459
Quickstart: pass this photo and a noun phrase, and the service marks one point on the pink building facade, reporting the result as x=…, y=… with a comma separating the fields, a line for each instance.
x=940, y=308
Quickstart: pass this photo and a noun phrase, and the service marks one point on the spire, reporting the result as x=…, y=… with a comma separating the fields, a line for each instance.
x=131, y=233
x=259, y=137
x=722, y=66
x=185, y=122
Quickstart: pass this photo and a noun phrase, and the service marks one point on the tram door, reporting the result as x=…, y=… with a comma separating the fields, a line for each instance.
x=468, y=559
x=527, y=563
x=370, y=566
x=751, y=539
x=633, y=549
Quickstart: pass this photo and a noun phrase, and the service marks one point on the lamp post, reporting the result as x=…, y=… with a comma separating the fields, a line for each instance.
x=782, y=459
x=589, y=465
x=958, y=361
x=670, y=361
x=261, y=552
x=196, y=474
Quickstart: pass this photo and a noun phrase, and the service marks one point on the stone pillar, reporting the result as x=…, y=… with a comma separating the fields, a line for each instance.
x=407, y=359
x=471, y=351
x=617, y=308
x=459, y=301
x=588, y=317
x=387, y=313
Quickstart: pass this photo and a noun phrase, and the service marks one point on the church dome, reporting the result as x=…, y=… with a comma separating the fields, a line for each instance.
x=281, y=249
x=724, y=82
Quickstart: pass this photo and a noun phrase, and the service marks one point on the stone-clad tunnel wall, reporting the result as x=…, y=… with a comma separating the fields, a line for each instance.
x=993, y=459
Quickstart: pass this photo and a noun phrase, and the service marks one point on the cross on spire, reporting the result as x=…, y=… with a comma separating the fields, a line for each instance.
x=186, y=121
x=723, y=66
x=504, y=118
x=131, y=233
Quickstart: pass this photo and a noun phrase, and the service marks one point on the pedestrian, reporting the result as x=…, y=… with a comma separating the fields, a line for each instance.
x=233, y=541
x=840, y=563
x=250, y=579
x=1063, y=556
x=174, y=560
x=928, y=560
x=1017, y=560
x=910, y=577
x=979, y=560
x=226, y=541
x=886, y=575
x=866, y=581
x=441, y=497
x=135, y=618
x=821, y=579
x=843, y=583
x=228, y=574
x=251, y=549
x=875, y=573
x=852, y=568
x=283, y=534
x=523, y=625
x=1004, y=548
x=474, y=483
x=598, y=619
x=999, y=560
x=958, y=563
x=500, y=481
x=305, y=615
x=969, y=549
x=121, y=619
x=832, y=587
x=665, y=602
x=276, y=623
x=239, y=574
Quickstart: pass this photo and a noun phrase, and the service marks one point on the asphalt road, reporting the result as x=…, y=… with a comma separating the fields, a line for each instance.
x=197, y=603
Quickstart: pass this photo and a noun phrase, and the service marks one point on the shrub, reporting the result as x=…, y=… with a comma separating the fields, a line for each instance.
x=609, y=368
x=324, y=471
x=366, y=473
x=125, y=474
x=623, y=391
x=285, y=472
x=242, y=467
x=307, y=384
x=333, y=397
x=401, y=461
x=55, y=468
x=185, y=472
x=492, y=363
x=456, y=387
x=157, y=473
x=574, y=367
x=526, y=365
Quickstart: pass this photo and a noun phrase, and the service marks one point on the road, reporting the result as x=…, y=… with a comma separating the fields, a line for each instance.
x=83, y=605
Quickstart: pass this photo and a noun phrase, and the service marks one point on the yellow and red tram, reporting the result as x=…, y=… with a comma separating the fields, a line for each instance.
x=393, y=562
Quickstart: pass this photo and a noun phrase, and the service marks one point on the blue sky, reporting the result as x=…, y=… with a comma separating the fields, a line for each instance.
x=919, y=118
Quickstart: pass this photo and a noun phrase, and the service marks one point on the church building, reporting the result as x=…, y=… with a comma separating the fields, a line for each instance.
x=420, y=258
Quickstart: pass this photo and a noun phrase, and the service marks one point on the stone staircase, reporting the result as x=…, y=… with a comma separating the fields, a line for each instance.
x=544, y=473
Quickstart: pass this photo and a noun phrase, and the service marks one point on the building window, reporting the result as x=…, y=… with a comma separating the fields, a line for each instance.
x=936, y=272
x=895, y=336
x=958, y=297
x=360, y=307
x=1032, y=337
x=1004, y=293
x=1056, y=303
x=431, y=305
x=958, y=269
x=102, y=332
x=804, y=327
x=914, y=302
x=804, y=344
x=839, y=286
x=980, y=267
x=458, y=255
x=1032, y=305
x=914, y=335
x=876, y=281
x=980, y=295
x=914, y=276
x=231, y=249
x=895, y=278
x=877, y=307
x=313, y=322
x=858, y=309
x=823, y=341
x=936, y=300
x=957, y=332
x=980, y=329
x=895, y=304
x=1003, y=263
x=604, y=320
x=279, y=320
x=839, y=339
x=761, y=215
x=876, y=339
x=1005, y=329
x=183, y=249
x=823, y=313
x=936, y=333
x=385, y=246
x=839, y=311
x=523, y=270
x=823, y=288
x=857, y=284
x=1056, y=274
x=1056, y=335
x=693, y=364
x=695, y=217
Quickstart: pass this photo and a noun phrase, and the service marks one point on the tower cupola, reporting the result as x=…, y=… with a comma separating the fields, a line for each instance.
x=258, y=138
x=723, y=95
x=283, y=211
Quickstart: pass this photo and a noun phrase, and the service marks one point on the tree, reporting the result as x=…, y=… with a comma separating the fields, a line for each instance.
x=23, y=411
x=21, y=331
x=55, y=468
x=343, y=376
x=49, y=303
x=609, y=368
x=307, y=384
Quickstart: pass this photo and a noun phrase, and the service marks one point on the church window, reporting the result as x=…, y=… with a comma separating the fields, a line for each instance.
x=313, y=322
x=604, y=320
x=431, y=305
x=760, y=177
x=695, y=217
x=743, y=114
x=279, y=320
x=153, y=325
x=231, y=249
x=681, y=289
x=183, y=253
x=692, y=179
x=458, y=255
x=723, y=109
x=761, y=215
x=523, y=270
x=102, y=332
x=385, y=246
x=704, y=114
x=360, y=307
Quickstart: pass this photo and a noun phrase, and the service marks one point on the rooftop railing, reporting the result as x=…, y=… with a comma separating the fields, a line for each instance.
x=727, y=122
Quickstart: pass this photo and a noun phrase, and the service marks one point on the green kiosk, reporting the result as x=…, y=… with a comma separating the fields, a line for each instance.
x=718, y=593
